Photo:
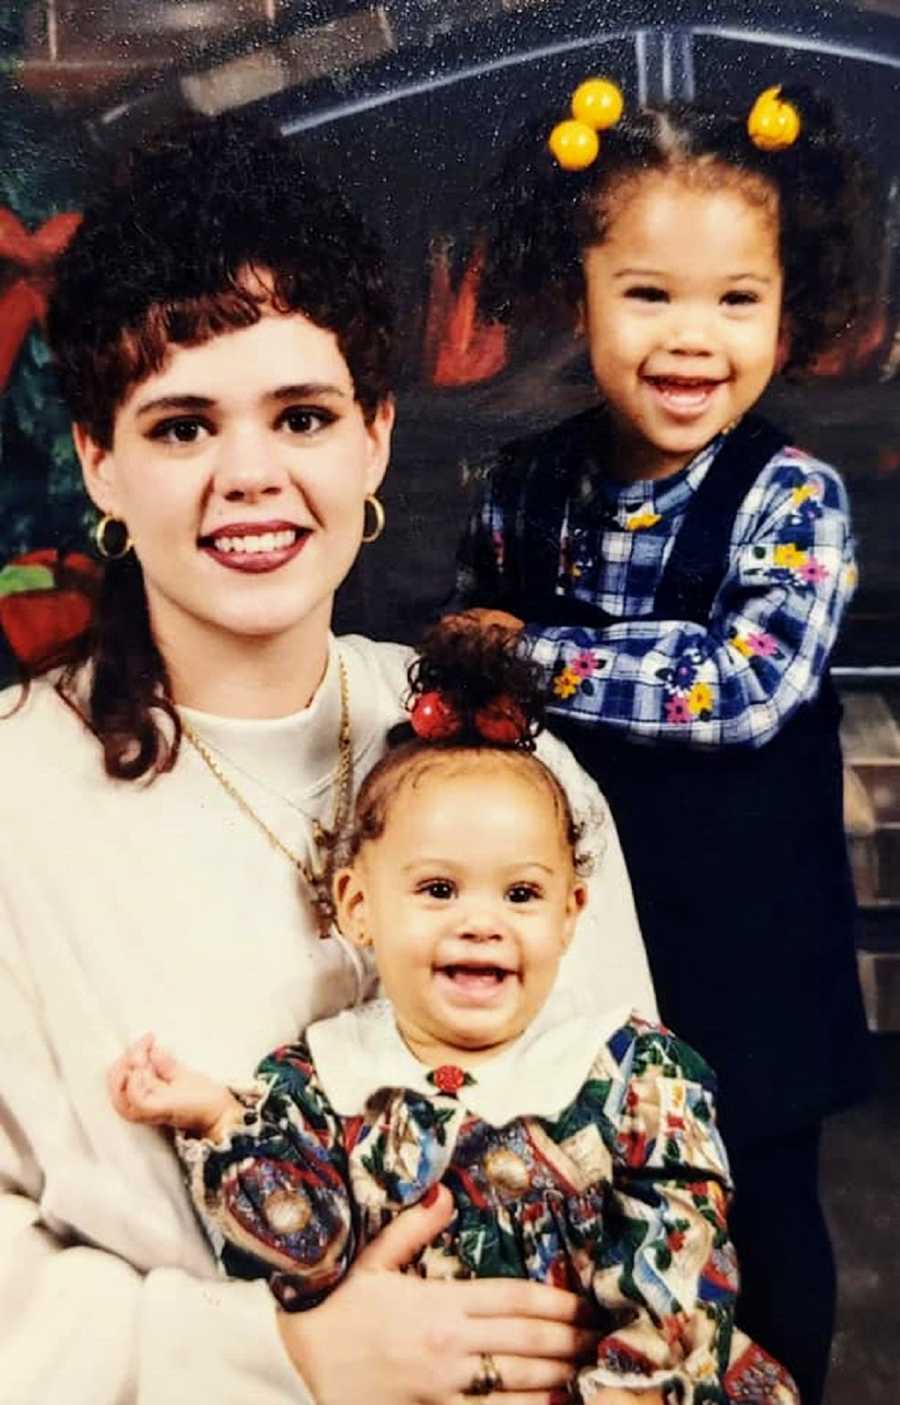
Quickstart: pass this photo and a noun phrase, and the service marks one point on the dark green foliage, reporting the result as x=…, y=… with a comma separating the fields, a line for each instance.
x=42, y=173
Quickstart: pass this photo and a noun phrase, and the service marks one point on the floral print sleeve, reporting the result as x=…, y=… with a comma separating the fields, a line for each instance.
x=665, y=1271
x=273, y=1194
x=773, y=625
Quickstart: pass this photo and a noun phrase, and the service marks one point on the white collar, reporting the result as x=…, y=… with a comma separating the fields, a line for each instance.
x=360, y=1051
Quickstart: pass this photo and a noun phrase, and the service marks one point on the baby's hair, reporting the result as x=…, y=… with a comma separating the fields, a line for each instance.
x=542, y=217
x=469, y=669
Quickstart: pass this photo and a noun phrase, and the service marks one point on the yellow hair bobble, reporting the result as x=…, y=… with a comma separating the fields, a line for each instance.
x=774, y=123
x=573, y=145
x=597, y=103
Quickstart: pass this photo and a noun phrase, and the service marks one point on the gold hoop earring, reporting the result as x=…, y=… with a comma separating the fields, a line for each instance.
x=100, y=538
x=371, y=501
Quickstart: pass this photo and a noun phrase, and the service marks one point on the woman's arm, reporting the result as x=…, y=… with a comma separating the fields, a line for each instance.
x=79, y=1324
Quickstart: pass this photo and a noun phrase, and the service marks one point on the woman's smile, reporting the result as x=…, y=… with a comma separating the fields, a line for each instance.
x=241, y=469
x=255, y=546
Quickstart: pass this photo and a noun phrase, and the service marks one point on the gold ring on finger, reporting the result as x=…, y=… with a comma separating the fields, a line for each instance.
x=488, y=1379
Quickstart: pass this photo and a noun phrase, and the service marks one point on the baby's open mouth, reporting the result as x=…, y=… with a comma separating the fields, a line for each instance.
x=473, y=982
x=495, y=973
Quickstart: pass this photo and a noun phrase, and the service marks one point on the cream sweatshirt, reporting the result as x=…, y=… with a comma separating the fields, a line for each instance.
x=129, y=906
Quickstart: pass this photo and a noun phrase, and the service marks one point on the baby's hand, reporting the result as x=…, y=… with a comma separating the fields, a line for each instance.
x=148, y=1085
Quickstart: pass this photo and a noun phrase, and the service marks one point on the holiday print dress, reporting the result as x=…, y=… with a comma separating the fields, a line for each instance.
x=621, y=1197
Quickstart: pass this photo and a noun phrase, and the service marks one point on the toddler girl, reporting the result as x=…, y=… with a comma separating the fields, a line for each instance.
x=681, y=570
x=580, y=1152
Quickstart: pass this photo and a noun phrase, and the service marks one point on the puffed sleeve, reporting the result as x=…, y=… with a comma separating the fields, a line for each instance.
x=273, y=1194
x=666, y=1273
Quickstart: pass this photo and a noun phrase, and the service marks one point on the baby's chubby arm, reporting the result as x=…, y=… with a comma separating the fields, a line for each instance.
x=148, y=1084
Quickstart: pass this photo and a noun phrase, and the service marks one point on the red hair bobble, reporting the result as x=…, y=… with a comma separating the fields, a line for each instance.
x=502, y=721
x=433, y=718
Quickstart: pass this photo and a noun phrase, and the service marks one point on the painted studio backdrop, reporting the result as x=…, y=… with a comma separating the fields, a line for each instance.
x=407, y=104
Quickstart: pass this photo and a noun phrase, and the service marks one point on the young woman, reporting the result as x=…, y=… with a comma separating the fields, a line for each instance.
x=172, y=791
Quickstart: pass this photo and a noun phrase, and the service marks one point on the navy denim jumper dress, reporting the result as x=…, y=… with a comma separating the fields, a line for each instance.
x=737, y=855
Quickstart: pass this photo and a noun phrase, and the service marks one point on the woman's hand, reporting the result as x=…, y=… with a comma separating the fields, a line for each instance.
x=147, y=1084
x=392, y=1339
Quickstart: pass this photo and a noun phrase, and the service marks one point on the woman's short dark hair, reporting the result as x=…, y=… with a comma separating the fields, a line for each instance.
x=161, y=258
x=542, y=217
x=200, y=232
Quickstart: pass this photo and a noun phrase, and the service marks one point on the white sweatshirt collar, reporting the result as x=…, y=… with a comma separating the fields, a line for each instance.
x=295, y=756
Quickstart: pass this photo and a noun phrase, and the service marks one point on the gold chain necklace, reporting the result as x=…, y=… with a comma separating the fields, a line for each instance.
x=318, y=874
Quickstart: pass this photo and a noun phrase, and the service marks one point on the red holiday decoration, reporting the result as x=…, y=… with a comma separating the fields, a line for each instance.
x=460, y=349
x=24, y=300
x=45, y=601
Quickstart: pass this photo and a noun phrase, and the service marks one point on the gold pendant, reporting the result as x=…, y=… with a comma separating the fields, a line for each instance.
x=318, y=875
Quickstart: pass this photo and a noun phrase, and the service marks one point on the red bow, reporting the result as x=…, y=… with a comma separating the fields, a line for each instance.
x=24, y=301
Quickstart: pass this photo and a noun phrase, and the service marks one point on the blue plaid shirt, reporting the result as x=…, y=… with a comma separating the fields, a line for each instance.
x=773, y=622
